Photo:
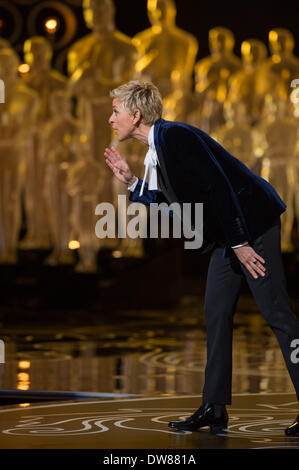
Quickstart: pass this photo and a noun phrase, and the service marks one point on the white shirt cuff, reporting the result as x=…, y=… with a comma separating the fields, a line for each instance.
x=133, y=186
x=239, y=246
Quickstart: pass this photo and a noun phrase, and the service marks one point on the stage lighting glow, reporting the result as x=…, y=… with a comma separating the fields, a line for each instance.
x=24, y=364
x=74, y=244
x=23, y=381
x=23, y=69
x=51, y=25
x=23, y=386
x=23, y=377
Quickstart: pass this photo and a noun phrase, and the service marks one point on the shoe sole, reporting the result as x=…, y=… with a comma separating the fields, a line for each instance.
x=217, y=428
x=214, y=428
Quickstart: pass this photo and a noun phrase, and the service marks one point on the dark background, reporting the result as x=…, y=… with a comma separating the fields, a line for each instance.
x=246, y=19
x=21, y=19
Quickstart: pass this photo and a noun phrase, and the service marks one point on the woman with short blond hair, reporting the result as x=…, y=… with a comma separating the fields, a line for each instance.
x=241, y=225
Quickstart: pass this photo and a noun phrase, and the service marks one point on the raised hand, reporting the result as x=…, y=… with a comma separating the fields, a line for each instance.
x=119, y=166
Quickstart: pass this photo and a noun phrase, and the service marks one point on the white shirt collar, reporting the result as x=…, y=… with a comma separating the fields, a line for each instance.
x=151, y=141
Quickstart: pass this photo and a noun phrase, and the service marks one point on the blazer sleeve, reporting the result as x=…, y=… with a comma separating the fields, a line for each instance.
x=148, y=197
x=196, y=176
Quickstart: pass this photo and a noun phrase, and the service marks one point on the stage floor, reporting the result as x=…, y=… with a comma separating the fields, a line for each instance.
x=156, y=360
x=255, y=422
x=139, y=352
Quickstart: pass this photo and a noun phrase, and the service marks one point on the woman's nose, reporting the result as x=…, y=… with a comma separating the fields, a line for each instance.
x=110, y=120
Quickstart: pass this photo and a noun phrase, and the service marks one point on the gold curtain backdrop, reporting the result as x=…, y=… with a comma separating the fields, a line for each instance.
x=53, y=122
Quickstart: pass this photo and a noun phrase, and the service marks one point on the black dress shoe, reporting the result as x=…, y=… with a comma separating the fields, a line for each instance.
x=293, y=429
x=209, y=414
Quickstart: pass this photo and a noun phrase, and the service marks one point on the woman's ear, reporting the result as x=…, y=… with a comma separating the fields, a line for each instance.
x=137, y=117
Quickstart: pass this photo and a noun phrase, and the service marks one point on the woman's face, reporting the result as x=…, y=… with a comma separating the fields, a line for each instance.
x=121, y=121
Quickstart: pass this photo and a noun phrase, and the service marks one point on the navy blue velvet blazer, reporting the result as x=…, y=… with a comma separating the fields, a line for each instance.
x=238, y=205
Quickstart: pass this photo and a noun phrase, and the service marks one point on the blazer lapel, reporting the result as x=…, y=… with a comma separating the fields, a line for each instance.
x=157, y=126
x=161, y=169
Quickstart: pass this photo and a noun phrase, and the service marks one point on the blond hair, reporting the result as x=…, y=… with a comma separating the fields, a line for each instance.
x=141, y=95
